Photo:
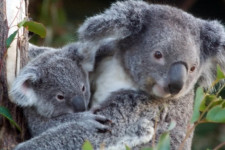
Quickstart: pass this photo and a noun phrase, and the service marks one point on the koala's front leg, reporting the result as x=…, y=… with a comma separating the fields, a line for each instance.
x=92, y=122
x=38, y=124
x=67, y=136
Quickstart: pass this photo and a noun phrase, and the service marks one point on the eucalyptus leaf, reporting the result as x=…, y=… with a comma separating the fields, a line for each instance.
x=199, y=96
x=164, y=142
x=147, y=148
x=216, y=114
x=5, y=112
x=207, y=101
x=87, y=146
x=21, y=23
x=11, y=38
x=127, y=148
x=35, y=27
x=220, y=74
x=172, y=125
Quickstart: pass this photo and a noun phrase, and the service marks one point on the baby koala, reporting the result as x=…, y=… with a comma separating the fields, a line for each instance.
x=53, y=89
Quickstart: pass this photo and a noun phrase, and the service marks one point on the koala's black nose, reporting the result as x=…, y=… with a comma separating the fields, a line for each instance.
x=78, y=103
x=177, y=77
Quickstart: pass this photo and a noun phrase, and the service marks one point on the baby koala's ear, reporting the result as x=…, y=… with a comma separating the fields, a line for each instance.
x=81, y=53
x=22, y=92
x=34, y=51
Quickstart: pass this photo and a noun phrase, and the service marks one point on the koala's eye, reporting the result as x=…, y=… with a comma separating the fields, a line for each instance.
x=60, y=97
x=83, y=88
x=158, y=55
x=192, y=68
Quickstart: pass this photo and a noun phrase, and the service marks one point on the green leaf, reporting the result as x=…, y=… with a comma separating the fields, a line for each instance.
x=5, y=112
x=198, y=99
x=21, y=23
x=220, y=74
x=35, y=27
x=164, y=142
x=216, y=114
x=10, y=39
x=206, y=101
x=87, y=146
x=127, y=148
x=147, y=148
x=172, y=125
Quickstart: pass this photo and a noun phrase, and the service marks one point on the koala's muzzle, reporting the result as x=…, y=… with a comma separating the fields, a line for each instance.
x=177, y=77
x=79, y=104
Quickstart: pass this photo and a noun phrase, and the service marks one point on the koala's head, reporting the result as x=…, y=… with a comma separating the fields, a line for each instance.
x=165, y=50
x=55, y=82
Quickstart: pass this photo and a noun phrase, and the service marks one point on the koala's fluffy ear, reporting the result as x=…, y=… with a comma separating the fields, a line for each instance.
x=121, y=20
x=34, y=51
x=22, y=92
x=106, y=30
x=80, y=53
x=212, y=37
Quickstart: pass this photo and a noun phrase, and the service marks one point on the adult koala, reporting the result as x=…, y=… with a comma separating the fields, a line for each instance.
x=158, y=49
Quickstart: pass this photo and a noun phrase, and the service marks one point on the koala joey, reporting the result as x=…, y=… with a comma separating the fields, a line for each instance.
x=158, y=49
x=53, y=88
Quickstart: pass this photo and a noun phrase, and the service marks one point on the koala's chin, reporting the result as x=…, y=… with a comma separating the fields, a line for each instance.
x=160, y=92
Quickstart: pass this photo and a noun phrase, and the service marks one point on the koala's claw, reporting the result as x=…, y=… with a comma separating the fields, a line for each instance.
x=93, y=122
x=102, y=119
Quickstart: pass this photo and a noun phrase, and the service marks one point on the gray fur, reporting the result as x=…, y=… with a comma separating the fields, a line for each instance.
x=68, y=136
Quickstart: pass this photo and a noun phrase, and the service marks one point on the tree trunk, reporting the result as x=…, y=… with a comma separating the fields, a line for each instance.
x=11, y=60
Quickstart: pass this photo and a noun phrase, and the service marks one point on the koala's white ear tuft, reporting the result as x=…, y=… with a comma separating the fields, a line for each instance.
x=212, y=36
x=22, y=92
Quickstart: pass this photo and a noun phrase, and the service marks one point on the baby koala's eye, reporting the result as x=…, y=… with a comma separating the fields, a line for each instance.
x=158, y=55
x=60, y=97
x=83, y=88
x=192, y=68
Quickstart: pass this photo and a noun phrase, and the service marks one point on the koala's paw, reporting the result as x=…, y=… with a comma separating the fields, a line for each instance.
x=93, y=122
x=146, y=127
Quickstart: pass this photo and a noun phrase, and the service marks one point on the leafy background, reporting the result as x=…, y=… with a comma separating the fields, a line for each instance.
x=63, y=17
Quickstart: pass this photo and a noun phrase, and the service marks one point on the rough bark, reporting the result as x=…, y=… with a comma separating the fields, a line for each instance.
x=9, y=135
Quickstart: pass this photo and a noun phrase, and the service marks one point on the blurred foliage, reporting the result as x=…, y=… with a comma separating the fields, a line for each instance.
x=63, y=17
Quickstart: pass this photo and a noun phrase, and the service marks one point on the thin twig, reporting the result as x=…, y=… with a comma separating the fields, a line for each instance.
x=21, y=2
x=189, y=131
x=220, y=90
x=219, y=146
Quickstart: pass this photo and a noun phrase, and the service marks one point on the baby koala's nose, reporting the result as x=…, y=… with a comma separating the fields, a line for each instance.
x=78, y=104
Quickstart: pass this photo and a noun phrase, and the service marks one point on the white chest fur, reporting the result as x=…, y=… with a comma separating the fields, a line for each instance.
x=109, y=77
